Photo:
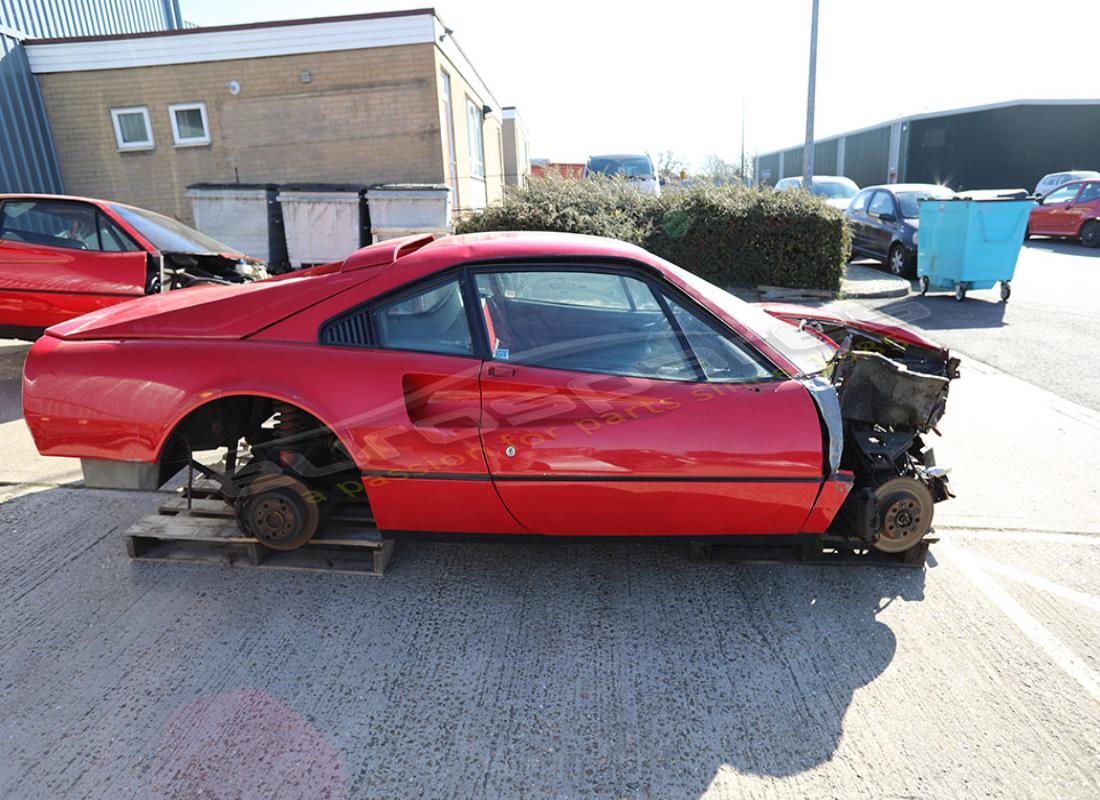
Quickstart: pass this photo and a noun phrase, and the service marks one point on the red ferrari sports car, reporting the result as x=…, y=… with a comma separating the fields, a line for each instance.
x=61, y=257
x=511, y=383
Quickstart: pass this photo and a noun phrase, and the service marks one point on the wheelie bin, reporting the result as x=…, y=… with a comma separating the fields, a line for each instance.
x=966, y=243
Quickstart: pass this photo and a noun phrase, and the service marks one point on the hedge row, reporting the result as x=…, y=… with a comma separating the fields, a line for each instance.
x=732, y=236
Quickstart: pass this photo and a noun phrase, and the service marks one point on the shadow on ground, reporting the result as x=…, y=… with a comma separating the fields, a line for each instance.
x=543, y=669
x=938, y=311
x=1068, y=247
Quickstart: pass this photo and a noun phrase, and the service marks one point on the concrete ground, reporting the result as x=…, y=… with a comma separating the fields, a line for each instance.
x=599, y=670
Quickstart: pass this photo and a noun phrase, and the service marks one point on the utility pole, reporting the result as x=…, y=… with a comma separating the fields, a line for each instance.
x=808, y=149
x=744, y=182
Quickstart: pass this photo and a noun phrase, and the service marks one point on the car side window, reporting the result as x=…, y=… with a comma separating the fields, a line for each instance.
x=601, y=322
x=722, y=359
x=1063, y=194
x=51, y=223
x=882, y=204
x=860, y=201
x=112, y=239
x=429, y=320
x=1090, y=193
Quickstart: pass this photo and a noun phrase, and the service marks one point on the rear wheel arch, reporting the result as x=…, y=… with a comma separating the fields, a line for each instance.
x=219, y=421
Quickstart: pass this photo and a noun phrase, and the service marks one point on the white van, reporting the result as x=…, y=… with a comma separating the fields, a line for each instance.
x=636, y=168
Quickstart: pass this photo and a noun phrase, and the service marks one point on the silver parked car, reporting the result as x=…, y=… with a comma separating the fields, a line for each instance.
x=836, y=190
x=1055, y=179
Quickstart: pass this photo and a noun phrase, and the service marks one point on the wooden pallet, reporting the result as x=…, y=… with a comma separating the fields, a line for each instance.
x=206, y=532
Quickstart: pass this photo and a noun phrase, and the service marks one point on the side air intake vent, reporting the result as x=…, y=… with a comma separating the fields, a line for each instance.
x=353, y=329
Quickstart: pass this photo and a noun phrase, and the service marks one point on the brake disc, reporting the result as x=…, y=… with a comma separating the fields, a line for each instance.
x=905, y=514
x=278, y=511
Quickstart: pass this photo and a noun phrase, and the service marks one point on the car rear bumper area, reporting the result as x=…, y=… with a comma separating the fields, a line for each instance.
x=133, y=475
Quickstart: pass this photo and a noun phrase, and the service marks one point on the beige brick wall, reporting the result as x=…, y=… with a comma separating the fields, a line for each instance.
x=367, y=116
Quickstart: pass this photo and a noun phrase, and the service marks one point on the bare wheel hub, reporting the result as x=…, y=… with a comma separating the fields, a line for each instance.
x=906, y=514
x=278, y=511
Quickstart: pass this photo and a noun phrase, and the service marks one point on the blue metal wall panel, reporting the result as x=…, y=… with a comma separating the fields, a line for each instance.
x=28, y=161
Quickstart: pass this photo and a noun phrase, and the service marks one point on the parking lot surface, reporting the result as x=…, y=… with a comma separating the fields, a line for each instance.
x=606, y=670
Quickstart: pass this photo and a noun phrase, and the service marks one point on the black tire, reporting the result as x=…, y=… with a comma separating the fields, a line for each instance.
x=1090, y=233
x=960, y=292
x=1006, y=291
x=900, y=261
x=923, y=283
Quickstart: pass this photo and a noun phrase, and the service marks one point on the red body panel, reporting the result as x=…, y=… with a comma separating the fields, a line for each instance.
x=749, y=458
x=595, y=454
x=41, y=286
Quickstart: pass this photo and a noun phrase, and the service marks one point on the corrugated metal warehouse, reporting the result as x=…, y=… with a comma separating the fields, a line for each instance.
x=1003, y=145
x=28, y=161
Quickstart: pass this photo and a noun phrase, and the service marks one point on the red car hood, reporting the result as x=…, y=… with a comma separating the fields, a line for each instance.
x=788, y=312
x=208, y=312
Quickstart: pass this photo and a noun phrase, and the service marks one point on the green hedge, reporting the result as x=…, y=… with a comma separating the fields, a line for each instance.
x=731, y=236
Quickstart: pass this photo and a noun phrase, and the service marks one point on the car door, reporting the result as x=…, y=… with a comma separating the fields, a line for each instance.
x=411, y=405
x=613, y=405
x=883, y=219
x=858, y=219
x=60, y=259
x=1053, y=217
x=1085, y=206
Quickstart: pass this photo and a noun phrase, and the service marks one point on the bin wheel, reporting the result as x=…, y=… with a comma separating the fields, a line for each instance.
x=1090, y=233
x=923, y=283
x=1006, y=291
x=960, y=292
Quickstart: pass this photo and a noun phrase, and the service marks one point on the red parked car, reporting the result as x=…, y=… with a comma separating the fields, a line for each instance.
x=1071, y=210
x=61, y=257
x=504, y=384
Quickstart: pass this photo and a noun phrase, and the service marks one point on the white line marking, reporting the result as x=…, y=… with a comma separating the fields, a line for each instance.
x=1056, y=589
x=1021, y=536
x=1061, y=655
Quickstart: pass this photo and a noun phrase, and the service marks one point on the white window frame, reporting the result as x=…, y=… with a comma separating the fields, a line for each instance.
x=475, y=134
x=148, y=144
x=196, y=141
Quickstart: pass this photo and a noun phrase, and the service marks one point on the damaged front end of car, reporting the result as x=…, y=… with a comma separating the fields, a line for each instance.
x=886, y=393
x=179, y=270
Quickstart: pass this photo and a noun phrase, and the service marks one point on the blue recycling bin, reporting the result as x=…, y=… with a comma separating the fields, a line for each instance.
x=966, y=244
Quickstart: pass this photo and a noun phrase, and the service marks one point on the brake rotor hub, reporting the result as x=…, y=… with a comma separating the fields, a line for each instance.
x=278, y=511
x=905, y=508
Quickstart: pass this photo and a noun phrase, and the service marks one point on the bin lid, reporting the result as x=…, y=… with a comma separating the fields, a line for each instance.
x=220, y=186
x=409, y=187
x=322, y=187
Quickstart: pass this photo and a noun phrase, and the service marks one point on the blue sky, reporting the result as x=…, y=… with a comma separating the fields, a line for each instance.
x=612, y=76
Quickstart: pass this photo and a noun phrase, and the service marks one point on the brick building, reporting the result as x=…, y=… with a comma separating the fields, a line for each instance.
x=365, y=99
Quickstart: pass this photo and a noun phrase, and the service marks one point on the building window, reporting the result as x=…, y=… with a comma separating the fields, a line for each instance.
x=189, y=126
x=132, y=128
x=474, y=128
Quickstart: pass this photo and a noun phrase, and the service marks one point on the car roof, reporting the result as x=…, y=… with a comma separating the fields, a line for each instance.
x=498, y=245
x=36, y=196
x=619, y=155
x=908, y=187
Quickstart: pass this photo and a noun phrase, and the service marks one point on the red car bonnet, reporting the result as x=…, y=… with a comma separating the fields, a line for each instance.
x=789, y=312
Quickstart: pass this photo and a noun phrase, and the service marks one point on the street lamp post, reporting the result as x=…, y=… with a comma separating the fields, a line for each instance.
x=808, y=148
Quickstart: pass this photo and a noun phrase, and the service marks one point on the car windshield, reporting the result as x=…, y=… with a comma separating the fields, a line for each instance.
x=809, y=354
x=629, y=166
x=908, y=200
x=168, y=235
x=834, y=190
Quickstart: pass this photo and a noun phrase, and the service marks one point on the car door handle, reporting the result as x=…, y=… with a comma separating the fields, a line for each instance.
x=498, y=371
